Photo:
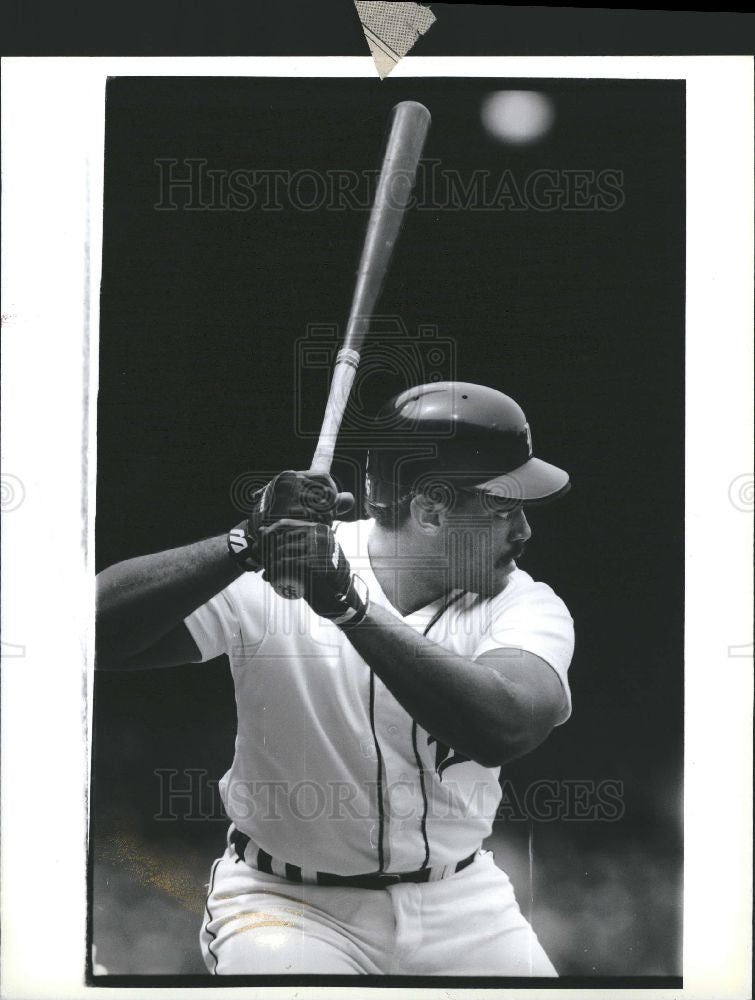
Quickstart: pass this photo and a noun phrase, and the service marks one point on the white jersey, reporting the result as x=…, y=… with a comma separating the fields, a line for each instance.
x=330, y=773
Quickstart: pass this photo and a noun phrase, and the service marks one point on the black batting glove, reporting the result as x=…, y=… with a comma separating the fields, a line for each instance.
x=309, y=555
x=304, y=496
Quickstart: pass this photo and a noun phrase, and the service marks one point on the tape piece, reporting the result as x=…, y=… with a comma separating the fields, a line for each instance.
x=391, y=29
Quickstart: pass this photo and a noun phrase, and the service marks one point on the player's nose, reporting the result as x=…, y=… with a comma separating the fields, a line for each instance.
x=520, y=529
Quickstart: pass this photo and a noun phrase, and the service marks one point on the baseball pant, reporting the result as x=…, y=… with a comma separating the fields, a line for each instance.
x=466, y=925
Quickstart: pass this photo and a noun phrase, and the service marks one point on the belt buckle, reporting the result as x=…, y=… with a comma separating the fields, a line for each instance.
x=390, y=878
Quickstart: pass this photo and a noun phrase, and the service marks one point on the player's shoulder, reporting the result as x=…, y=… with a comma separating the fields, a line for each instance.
x=523, y=590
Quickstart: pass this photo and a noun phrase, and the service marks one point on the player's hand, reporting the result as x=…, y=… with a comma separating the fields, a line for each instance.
x=304, y=496
x=308, y=557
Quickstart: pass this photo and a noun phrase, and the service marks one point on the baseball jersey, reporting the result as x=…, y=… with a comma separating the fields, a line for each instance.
x=330, y=773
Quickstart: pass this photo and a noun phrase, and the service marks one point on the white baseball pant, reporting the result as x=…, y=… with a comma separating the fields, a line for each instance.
x=466, y=925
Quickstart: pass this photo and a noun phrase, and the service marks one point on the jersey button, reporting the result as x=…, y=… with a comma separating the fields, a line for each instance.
x=393, y=730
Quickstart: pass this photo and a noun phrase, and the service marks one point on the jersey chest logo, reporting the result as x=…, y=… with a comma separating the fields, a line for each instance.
x=445, y=756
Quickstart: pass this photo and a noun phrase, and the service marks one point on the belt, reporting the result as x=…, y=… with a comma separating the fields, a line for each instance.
x=375, y=880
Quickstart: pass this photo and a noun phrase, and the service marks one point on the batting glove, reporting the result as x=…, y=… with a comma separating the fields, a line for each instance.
x=304, y=496
x=310, y=555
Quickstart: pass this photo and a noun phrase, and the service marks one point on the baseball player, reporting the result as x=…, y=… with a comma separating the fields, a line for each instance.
x=375, y=713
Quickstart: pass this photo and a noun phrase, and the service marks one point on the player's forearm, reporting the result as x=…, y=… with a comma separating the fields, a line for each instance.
x=463, y=703
x=140, y=600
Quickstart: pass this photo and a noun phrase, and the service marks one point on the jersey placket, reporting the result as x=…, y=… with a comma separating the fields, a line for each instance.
x=400, y=796
x=403, y=792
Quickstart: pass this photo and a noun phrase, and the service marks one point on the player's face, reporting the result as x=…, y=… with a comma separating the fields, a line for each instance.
x=483, y=541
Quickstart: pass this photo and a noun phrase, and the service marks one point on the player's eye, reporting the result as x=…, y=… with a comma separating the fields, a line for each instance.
x=502, y=507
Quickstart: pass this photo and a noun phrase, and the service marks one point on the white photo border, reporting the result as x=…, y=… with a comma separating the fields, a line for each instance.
x=53, y=150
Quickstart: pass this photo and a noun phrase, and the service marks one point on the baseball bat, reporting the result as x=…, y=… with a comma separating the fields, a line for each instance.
x=409, y=125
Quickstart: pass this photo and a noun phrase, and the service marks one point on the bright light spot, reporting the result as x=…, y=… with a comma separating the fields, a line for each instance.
x=274, y=940
x=517, y=116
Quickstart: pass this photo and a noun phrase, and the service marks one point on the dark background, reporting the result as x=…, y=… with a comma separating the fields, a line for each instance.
x=577, y=314
x=304, y=27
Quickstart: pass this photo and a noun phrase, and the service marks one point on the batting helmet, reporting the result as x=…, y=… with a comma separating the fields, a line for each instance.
x=443, y=436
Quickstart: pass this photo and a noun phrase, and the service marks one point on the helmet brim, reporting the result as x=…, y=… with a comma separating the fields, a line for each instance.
x=534, y=481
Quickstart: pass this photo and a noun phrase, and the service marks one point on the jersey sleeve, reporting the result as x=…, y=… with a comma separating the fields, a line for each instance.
x=233, y=618
x=536, y=620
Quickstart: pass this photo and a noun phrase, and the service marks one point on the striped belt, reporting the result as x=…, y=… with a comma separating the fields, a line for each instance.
x=264, y=862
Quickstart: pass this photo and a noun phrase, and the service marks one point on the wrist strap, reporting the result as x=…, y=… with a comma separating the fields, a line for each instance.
x=240, y=548
x=359, y=605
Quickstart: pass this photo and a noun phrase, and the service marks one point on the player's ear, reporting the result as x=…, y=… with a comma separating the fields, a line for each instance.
x=427, y=515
